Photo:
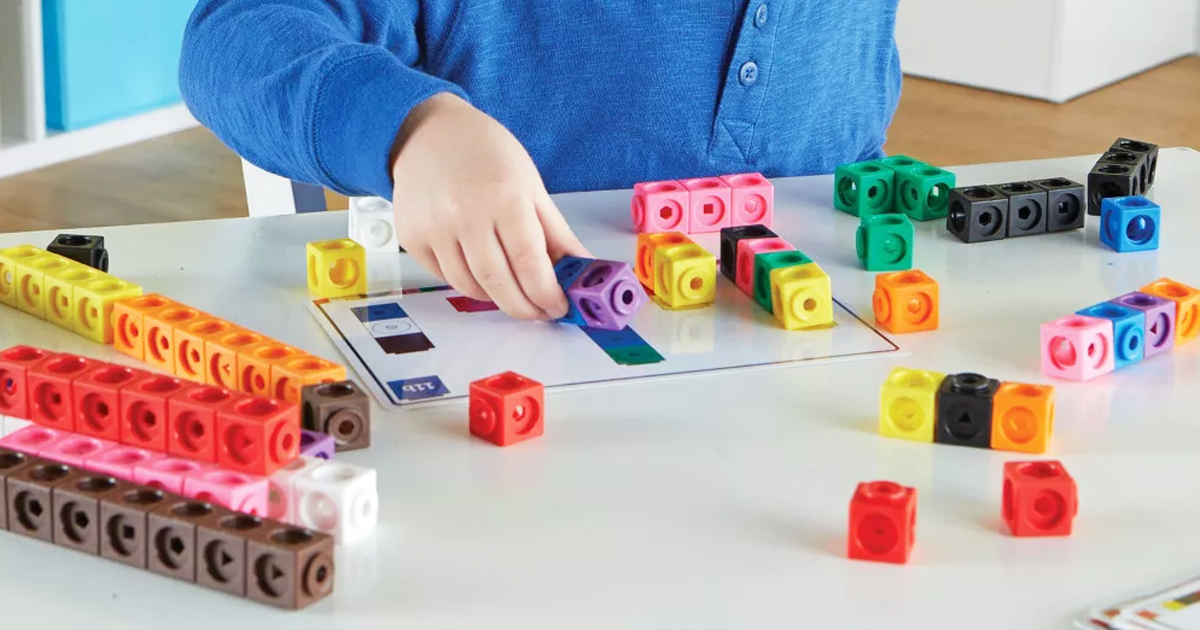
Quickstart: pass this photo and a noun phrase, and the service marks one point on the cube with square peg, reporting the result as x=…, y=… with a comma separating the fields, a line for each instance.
x=1066, y=203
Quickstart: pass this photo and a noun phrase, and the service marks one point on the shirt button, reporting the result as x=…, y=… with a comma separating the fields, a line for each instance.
x=760, y=16
x=748, y=73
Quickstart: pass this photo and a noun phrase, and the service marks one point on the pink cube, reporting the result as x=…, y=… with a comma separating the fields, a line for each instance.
x=708, y=203
x=74, y=450
x=752, y=199
x=747, y=249
x=238, y=492
x=1077, y=348
x=280, y=505
x=32, y=440
x=660, y=207
x=167, y=473
x=121, y=461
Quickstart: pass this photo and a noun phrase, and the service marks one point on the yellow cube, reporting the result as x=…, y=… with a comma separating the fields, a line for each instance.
x=908, y=404
x=336, y=268
x=9, y=259
x=685, y=276
x=802, y=297
x=31, y=281
x=94, y=301
x=60, y=292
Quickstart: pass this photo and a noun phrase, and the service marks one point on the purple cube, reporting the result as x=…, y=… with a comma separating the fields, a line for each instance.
x=1160, y=320
x=607, y=295
x=313, y=444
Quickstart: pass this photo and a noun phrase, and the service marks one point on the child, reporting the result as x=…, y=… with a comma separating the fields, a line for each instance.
x=468, y=113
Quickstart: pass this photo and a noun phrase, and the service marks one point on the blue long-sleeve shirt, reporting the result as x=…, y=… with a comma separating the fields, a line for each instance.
x=602, y=93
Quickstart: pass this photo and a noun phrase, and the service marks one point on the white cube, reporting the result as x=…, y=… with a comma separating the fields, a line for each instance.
x=281, y=485
x=373, y=224
x=337, y=498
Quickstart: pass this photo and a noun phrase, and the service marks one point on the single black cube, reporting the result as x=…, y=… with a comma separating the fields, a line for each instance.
x=977, y=213
x=1109, y=179
x=1065, y=201
x=88, y=250
x=729, y=245
x=1150, y=151
x=1026, y=208
x=964, y=410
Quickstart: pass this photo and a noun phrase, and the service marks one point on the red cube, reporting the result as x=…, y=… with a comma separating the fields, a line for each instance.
x=192, y=424
x=1039, y=499
x=507, y=408
x=144, y=414
x=97, y=399
x=883, y=522
x=14, y=374
x=51, y=402
x=257, y=436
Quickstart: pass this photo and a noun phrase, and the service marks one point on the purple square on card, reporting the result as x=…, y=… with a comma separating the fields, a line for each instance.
x=313, y=444
x=1160, y=320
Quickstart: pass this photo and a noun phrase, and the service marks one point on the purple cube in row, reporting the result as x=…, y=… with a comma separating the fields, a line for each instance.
x=314, y=444
x=1160, y=320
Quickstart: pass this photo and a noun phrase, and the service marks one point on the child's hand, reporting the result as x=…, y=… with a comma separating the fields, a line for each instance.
x=471, y=208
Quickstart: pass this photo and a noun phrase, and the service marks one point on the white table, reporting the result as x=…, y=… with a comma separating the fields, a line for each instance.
x=705, y=502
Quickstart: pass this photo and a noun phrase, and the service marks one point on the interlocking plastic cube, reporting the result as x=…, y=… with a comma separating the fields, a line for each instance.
x=257, y=436
x=242, y=493
x=281, y=486
x=320, y=445
x=129, y=323
x=121, y=461
x=923, y=192
x=1027, y=204
x=338, y=499
x=965, y=406
x=74, y=449
x=686, y=276
x=60, y=293
x=33, y=439
x=978, y=214
x=607, y=295
x=84, y=249
x=97, y=401
x=1077, y=348
x=569, y=268
x=709, y=204
x=643, y=268
x=31, y=281
x=905, y=301
x=883, y=522
x=1130, y=224
x=747, y=253
x=191, y=339
x=168, y=473
x=254, y=366
x=1160, y=320
x=1022, y=418
x=801, y=297
x=731, y=238
x=1039, y=499
x=51, y=398
x=192, y=421
x=764, y=265
x=221, y=356
x=752, y=199
x=507, y=408
x=864, y=188
x=660, y=207
x=10, y=257
x=908, y=404
x=94, y=302
x=15, y=363
x=290, y=374
x=336, y=268
x=1187, y=307
x=1129, y=331
x=144, y=414
x=885, y=242
x=373, y=224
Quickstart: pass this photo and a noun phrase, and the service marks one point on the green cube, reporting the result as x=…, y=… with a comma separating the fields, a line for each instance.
x=864, y=188
x=634, y=355
x=901, y=163
x=885, y=242
x=764, y=264
x=923, y=193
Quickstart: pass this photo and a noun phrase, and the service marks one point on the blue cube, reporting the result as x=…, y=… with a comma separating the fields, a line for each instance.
x=566, y=270
x=1129, y=331
x=1130, y=224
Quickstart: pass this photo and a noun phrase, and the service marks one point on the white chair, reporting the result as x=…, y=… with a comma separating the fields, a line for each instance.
x=268, y=194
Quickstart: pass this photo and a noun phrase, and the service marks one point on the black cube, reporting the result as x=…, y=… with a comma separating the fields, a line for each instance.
x=729, y=245
x=1065, y=201
x=964, y=410
x=1110, y=179
x=1026, y=208
x=1150, y=151
x=81, y=248
x=977, y=214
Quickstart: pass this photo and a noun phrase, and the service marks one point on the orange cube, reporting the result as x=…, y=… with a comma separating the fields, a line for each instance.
x=1187, y=307
x=191, y=340
x=129, y=323
x=1022, y=418
x=289, y=375
x=221, y=356
x=160, y=328
x=905, y=301
x=254, y=366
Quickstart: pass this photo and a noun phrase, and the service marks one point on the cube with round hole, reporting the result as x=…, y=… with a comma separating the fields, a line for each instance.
x=51, y=401
x=10, y=257
x=751, y=199
x=33, y=439
x=74, y=449
x=144, y=414
x=1066, y=204
x=1039, y=499
x=507, y=408
x=290, y=374
x=1022, y=418
x=1187, y=307
x=84, y=249
x=1026, y=208
x=338, y=499
x=257, y=436
x=905, y=301
x=748, y=250
x=607, y=295
x=1160, y=320
x=191, y=339
x=923, y=192
x=1130, y=224
x=30, y=281
x=801, y=296
x=97, y=399
x=221, y=356
x=977, y=214
x=254, y=366
x=59, y=285
x=660, y=207
x=709, y=201
x=160, y=326
x=341, y=410
x=94, y=303
x=1112, y=179
x=239, y=492
x=15, y=363
x=765, y=264
x=121, y=461
x=281, y=485
x=1129, y=331
x=168, y=473
x=908, y=404
x=885, y=242
x=643, y=268
x=686, y=276
x=192, y=421
x=863, y=189
x=336, y=268
x=129, y=323
x=1077, y=348
x=883, y=522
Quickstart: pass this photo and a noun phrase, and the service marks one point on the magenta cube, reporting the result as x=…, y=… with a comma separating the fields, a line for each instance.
x=752, y=199
x=315, y=444
x=607, y=295
x=708, y=203
x=1077, y=348
x=241, y=493
x=660, y=207
x=1160, y=320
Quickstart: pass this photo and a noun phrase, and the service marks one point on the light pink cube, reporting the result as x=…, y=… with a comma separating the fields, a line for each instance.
x=280, y=505
x=708, y=202
x=752, y=199
x=74, y=450
x=121, y=461
x=1077, y=348
x=168, y=473
x=238, y=492
x=660, y=207
x=32, y=440
x=746, y=251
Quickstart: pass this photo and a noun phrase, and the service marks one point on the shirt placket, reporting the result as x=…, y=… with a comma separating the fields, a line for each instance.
x=746, y=81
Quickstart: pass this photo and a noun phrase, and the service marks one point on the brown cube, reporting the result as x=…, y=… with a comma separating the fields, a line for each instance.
x=11, y=462
x=221, y=550
x=171, y=538
x=30, y=498
x=77, y=522
x=340, y=409
x=125, y=518
x=288, y=567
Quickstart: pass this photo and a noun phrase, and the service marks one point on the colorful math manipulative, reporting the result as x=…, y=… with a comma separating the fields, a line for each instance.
x=1126, y=169
x=896, y=184
x=676, y=272
x=883, y=522
x=1130, y=224
x=507, y=408
x=601, y=294
x=708, y=204
x=336, y=268
x=1039, y=499
x=905, y=301
x=996, y=212
x=777, y=276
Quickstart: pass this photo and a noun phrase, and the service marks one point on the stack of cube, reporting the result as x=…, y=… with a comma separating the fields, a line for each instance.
x=1127, y=169
x=996, y=212
x=602, y=294
x=966, y=410
x=675, y=271
x=707, y=204
x=777, y=276
x=1121, y=332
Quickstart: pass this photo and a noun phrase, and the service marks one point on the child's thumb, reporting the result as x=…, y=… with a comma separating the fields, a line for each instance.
x=560, y=239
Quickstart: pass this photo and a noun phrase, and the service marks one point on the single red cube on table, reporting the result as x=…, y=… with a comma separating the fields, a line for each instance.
x=507, y=408
x=1040, y=499
x=883, y=522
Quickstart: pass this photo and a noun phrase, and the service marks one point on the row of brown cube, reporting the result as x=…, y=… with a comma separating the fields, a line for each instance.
x=190, y=540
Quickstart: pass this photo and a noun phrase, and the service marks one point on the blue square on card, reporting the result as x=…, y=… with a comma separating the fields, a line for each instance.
x=378, y=312
x=411, y=389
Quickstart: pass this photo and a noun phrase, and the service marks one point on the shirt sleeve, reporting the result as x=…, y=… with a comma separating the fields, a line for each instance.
x=312, y=90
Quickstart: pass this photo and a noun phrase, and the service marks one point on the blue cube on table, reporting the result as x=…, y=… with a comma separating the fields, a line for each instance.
x=1129, y=332
x=1130, y=224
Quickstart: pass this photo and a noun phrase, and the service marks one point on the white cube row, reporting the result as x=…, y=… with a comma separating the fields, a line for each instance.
x=329, y=496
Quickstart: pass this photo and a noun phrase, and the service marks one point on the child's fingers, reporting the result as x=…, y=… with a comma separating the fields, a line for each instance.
x=453, y=264
x=425, y=257
x=524, y=244
x=488, y=263
x=560, y=239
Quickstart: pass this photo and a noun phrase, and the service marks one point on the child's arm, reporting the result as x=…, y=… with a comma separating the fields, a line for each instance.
x=325, y=91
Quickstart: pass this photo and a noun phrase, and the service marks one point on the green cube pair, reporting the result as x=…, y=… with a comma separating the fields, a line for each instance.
x=893, y=184
x=764, y=264
x=885, y=242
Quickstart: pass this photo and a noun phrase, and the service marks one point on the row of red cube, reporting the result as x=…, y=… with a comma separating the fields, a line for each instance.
x=66, y=392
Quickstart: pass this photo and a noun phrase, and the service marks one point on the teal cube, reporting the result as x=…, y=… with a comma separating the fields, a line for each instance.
x=764, y=264
x=885, y=242
x=923, y=192
x=864, y=188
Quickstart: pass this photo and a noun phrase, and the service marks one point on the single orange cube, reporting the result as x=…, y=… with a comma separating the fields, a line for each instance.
x=160, y=328
x=190, y=347
x=1187, y=307
x=129, y=323
x=1022, y=418
x=221, y=356
x=905, y=301
x=254, y=366
x=289, y=375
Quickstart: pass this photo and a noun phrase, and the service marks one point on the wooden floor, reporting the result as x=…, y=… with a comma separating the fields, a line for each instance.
x=191, y=175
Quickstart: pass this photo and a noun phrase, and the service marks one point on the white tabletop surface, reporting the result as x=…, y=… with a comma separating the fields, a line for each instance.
x=716, y=501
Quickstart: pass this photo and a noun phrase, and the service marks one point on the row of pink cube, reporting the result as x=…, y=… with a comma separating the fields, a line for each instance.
x=709, y=204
